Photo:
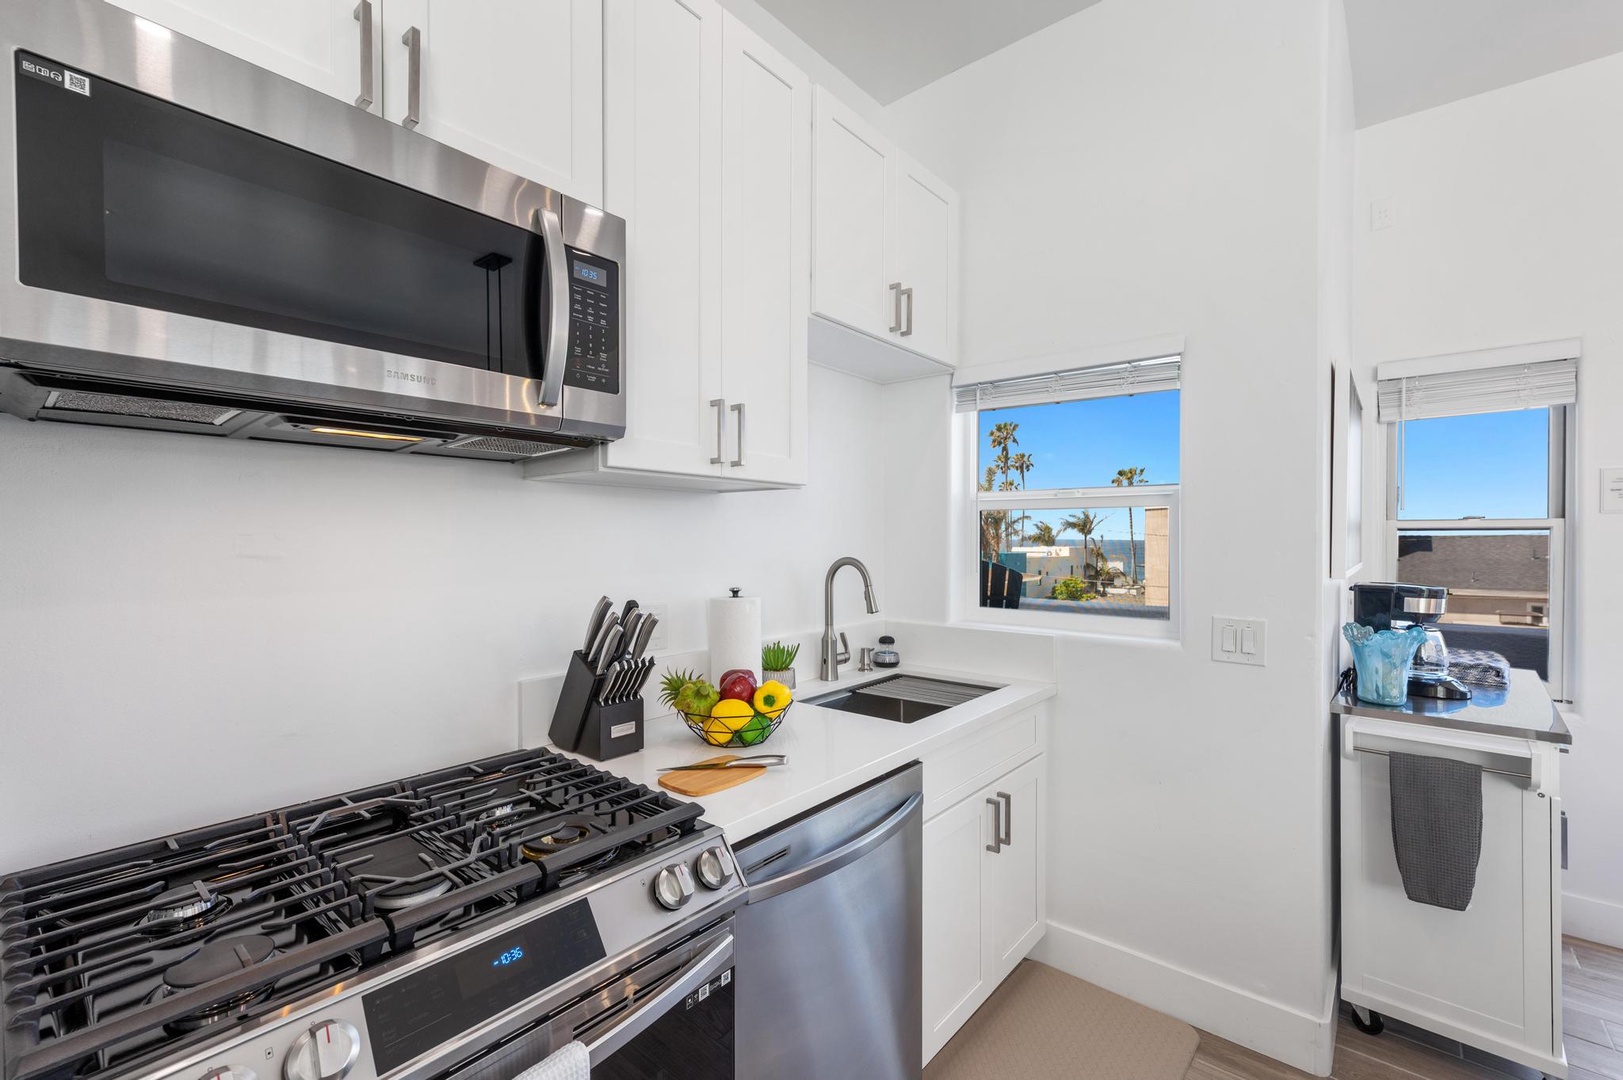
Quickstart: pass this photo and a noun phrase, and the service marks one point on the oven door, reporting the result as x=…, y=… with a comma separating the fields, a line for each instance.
x=668, y=1019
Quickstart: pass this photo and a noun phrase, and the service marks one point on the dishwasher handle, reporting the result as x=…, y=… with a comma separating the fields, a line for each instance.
x=842, y=856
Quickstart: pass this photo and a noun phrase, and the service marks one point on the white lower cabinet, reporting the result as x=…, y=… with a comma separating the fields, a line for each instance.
x=983, y=895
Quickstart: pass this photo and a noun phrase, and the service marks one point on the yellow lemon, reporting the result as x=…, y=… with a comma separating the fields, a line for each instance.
x=717, y=733
x=734, y=714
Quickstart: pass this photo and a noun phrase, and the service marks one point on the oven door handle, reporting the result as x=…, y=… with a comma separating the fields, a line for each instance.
x=842, y=856
x=552, y=376
x=695, y=975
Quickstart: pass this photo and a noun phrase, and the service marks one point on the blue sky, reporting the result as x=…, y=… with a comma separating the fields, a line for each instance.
x=1494, y=465
x=1083, y=443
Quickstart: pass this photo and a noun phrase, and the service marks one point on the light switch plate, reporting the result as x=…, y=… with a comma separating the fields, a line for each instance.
x=1611, y=491
x=1240, y=641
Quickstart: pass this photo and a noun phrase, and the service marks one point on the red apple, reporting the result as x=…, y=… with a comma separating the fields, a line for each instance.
x=738, y=685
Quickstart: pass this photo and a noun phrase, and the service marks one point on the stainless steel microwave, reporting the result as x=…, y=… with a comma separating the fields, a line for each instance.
x=191, y=243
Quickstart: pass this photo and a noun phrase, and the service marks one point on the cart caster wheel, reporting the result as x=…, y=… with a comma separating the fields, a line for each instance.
x=1374, y=1025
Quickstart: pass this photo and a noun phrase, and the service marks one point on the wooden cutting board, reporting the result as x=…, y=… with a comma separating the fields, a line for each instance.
x=695, y=783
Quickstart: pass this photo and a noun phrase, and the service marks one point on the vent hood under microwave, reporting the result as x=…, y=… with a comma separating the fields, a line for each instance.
x=191, y=243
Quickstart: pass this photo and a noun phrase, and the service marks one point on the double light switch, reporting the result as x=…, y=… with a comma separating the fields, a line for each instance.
x=1239, y=641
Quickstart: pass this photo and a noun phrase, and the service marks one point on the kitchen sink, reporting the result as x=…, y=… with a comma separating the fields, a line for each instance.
x=904, y=699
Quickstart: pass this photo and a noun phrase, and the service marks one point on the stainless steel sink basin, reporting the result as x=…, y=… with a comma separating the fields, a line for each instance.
x=904, y=699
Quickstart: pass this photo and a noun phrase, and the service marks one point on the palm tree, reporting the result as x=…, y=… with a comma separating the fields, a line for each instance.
x=1130, y=478
x=1022, y=463
x=992, y=522
x=1085, y=524
x=1043, y=534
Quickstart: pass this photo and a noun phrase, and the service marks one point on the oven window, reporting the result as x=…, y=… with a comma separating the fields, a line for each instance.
x=694, y=1041
x=128, y=198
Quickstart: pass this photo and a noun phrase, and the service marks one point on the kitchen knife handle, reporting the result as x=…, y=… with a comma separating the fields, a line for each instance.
x=720, y=405
x=363, y=15
x=739, y=460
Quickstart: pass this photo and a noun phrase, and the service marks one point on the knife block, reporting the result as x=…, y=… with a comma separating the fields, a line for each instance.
x=581, y=726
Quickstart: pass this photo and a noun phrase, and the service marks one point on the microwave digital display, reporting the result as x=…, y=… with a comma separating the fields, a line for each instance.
x=589, y=273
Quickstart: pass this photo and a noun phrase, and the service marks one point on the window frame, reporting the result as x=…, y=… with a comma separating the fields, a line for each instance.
x=1559, y=497
x=966, y=557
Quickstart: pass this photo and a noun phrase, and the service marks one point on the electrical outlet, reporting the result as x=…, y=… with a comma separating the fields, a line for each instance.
x=1240, y=641
x=1382, y=212
x=658, y=643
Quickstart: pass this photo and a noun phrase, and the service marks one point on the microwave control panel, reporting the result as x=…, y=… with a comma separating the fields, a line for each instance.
x=594, y=324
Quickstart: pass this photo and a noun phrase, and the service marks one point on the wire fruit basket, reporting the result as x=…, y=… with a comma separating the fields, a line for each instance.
x=753, y=731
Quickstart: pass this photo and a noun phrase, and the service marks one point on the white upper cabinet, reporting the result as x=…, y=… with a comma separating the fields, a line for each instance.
x=927, y=261
x=708, y=158
x=854, y=185
x=662, y=104
x=884, y=252
x=517, y=83
x=766, y=233
x=324, y=44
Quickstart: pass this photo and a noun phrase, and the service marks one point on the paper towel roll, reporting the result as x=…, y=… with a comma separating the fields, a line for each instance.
x=735, y=634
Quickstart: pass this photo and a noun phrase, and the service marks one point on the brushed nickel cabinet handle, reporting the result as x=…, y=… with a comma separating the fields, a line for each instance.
x=412, y=39
x=720, y=405
x=996, y=845
x=363, y=15
x=907, y=294
x=1007, y=838
x=896, y=306
x=739, y=460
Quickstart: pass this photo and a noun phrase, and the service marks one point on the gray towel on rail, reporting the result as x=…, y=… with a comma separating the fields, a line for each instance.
x=1436, y=827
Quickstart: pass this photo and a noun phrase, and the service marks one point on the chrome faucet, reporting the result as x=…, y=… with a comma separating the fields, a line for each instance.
x=835, y=649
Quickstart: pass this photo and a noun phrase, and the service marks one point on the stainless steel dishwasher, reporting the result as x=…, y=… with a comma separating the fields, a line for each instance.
x=829, y=958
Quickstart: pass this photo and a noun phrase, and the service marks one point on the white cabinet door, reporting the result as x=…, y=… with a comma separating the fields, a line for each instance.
x=765, y=258
x=316, y=42
x=955, y=979
x=663, y=175
x=927, y=261
x=517, y=83
x=853, y=190
x=1012, y=881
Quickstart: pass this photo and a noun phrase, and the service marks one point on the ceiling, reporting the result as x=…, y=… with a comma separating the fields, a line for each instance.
x=1409, y=55
x=891, y=48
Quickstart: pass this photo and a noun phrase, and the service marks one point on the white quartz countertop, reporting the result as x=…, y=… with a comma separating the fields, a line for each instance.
x=829, y=752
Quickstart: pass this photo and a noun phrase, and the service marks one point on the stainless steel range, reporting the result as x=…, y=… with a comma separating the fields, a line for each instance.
x=466, y=922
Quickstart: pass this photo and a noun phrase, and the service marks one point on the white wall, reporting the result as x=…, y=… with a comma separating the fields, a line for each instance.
x=1509, y=229
x=1155, y=167
x=192, y=629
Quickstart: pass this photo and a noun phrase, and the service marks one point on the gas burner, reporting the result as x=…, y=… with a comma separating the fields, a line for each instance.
x=216, y=960
x=557, y=837
x=189, y=906
x=493, y=817
x=401, y=897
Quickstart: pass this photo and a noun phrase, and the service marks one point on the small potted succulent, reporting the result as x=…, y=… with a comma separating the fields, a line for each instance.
x=778, y=663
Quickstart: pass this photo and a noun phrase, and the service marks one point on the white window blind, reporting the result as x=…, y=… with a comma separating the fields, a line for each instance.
x=1478, y=390
x=1111, y=380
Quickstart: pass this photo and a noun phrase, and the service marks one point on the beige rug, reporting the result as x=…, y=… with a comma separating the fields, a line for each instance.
x=1043, y=1024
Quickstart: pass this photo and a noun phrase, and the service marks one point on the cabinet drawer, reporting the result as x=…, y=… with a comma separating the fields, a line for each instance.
x=959, y=770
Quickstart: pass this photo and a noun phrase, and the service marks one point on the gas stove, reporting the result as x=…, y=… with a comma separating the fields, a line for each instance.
x=243, y=950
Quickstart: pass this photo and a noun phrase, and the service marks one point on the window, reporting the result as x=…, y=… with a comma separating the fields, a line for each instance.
x=1477, y=496
x=1076, y=491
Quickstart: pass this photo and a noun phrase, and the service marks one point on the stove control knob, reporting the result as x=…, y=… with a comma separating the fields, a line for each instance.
x=326, y=1052
x=230, y=1072
x=673, y=887
x=715, y=867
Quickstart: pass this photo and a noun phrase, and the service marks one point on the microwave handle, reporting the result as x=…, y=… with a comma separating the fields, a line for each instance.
x=552, y=376
x=650, y=1012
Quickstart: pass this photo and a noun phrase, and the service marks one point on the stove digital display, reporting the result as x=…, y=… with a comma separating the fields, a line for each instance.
x=418, y=1012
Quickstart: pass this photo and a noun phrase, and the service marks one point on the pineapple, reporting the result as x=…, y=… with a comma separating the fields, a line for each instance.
x=672, y=683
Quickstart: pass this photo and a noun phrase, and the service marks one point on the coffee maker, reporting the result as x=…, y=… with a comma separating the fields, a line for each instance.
x=1394, y=605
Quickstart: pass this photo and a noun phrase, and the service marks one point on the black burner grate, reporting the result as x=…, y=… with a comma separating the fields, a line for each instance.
x=113, y=962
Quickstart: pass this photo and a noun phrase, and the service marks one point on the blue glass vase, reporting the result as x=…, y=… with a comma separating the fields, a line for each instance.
x=1382, y=658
